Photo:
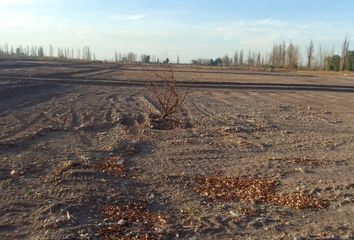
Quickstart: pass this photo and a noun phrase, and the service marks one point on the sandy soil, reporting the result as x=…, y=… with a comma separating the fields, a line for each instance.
x=83, y=160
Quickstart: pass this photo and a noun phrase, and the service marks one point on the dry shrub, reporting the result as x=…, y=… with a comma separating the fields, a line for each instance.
x=113, y=166
x=133, y=221
x=251, y=191
x=168, y=95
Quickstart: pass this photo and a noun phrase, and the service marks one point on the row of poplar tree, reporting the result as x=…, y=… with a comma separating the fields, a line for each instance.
x=20, y=51
x=289, y=56
x=282, y=55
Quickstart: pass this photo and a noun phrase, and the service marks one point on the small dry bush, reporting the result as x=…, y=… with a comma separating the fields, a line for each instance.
x=167, y=93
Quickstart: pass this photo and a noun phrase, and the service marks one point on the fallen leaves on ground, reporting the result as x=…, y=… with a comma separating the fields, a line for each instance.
x=113, y=166
x=252, y=190
x=132, y=221
x=228, y=188
x=297, y=201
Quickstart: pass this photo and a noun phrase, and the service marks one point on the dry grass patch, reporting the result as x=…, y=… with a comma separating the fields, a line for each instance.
x=252, y=191
x=132, y=221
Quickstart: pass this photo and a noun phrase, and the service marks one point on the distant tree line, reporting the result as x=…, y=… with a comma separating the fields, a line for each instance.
x=282, y=56
x=84, y=53
x=131, y=57
x=40, y=52
x=288, y=56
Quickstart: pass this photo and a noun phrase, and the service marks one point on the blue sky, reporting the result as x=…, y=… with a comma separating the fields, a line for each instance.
x=166, y=28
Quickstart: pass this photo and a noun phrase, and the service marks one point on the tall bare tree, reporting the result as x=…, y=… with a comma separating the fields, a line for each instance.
x=310, y=52
x=115, y=56
x=51, y=51
x=241, y=57
x=236, y=58
x=278, y=55
x=258, y=62
x=131, y=57
x=283, y=54
x=226, y=60
x=345, y=51
x=321, y=57
x=293, y=55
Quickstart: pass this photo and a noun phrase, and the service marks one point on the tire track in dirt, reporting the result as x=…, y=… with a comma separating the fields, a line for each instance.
x=90, y=72
x=180, y=151
x=200, y=107
x=84, y=177
x=193, y=85
x=81, y=177
x=59, y=117
x=162, y=162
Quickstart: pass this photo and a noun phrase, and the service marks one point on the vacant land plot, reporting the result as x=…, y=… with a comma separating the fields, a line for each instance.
x=254, y=155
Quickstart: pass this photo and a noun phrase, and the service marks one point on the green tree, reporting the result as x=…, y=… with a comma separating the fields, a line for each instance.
x=226, y=61
x=40, y=52
x=350, y=61
x=145, y=58
x=333, y=63
x=166, y=61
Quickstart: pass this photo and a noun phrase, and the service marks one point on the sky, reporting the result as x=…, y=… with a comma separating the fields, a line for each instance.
x=190, y=29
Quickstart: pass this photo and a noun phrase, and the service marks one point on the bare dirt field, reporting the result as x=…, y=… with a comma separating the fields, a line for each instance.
x=254, y=154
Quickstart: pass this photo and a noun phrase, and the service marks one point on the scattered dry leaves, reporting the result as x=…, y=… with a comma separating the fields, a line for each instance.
x=113, y=166
x=230, y=188
x=297, y=201
x=133, y=221
x=252, y=190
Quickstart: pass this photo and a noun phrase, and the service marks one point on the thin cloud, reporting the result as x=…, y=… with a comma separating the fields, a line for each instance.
x=261, y=31
x=23, y=20
x=6, y=3
x=133, y=17
x=271, y=22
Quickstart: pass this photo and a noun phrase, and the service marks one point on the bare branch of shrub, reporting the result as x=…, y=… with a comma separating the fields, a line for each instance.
x=167, y=94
